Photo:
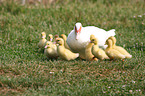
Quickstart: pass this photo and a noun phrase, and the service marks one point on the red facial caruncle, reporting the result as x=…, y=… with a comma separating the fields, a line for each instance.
x=78, y=31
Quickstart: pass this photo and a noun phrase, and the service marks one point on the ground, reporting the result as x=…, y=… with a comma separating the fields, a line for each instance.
x=26, y=71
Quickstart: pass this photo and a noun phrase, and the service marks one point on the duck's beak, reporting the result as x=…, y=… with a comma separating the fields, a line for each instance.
x=78, y=32
x=45, y=46
x=77, y=36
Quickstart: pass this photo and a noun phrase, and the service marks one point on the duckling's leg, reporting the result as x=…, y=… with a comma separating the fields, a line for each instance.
x=122, y=60
x=95, y=59
x=112, y=58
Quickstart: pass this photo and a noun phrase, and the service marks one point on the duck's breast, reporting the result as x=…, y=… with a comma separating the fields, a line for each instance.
x=84, y=38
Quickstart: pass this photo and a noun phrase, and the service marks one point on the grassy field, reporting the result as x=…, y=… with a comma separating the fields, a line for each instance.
x=25, y=71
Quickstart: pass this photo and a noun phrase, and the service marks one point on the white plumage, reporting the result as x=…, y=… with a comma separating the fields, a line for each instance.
x=79, y=37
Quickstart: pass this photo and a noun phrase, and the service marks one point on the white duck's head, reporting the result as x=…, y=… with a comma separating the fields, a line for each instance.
x=78, y=28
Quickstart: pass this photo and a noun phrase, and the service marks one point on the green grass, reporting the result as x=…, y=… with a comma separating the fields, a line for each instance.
x=25, y=71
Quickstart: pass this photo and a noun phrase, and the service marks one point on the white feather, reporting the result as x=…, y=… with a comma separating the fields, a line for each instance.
x=79, y=45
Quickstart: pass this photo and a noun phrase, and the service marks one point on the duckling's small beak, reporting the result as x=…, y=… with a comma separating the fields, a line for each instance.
x=43, y=36
x=45, y=46
x=50, y=39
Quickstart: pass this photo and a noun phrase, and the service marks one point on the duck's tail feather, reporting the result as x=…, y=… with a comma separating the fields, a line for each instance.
x=111, y=33
x=128, y=56
x=77, y=54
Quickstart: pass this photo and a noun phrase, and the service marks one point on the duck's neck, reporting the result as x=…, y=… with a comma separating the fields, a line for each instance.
x=114, y=42
x=64, y=38
x=96, y=45
x=109, y=45
x=89, y=45
x=43, y=38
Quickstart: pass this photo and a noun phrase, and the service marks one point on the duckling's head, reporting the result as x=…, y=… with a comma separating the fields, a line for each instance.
x=113, y=39
x=43, y=34
x=59, y=41
x=92, y=37
x=48, y=44
x=56, y=36
x=63, y=36
x=108, y=42
x=50, y=37
x=94, y=40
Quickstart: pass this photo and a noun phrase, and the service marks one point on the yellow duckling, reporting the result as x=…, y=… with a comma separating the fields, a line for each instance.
x=42, y=41
x=88, y=54
x=55, y=37
x=118, y=48
x=112, y=53
x=96, y=51
x=64, y=37
x=64, y=53
x=50, y=50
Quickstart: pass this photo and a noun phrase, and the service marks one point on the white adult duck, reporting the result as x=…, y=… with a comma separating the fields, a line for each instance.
x=79, y=38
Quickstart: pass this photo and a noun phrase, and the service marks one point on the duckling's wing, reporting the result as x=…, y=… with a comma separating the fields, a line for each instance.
x=115, y=54
x=122, y=50
x=70, y=55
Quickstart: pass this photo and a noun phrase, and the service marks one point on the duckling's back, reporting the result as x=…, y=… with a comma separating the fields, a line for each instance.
x=123, y=51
